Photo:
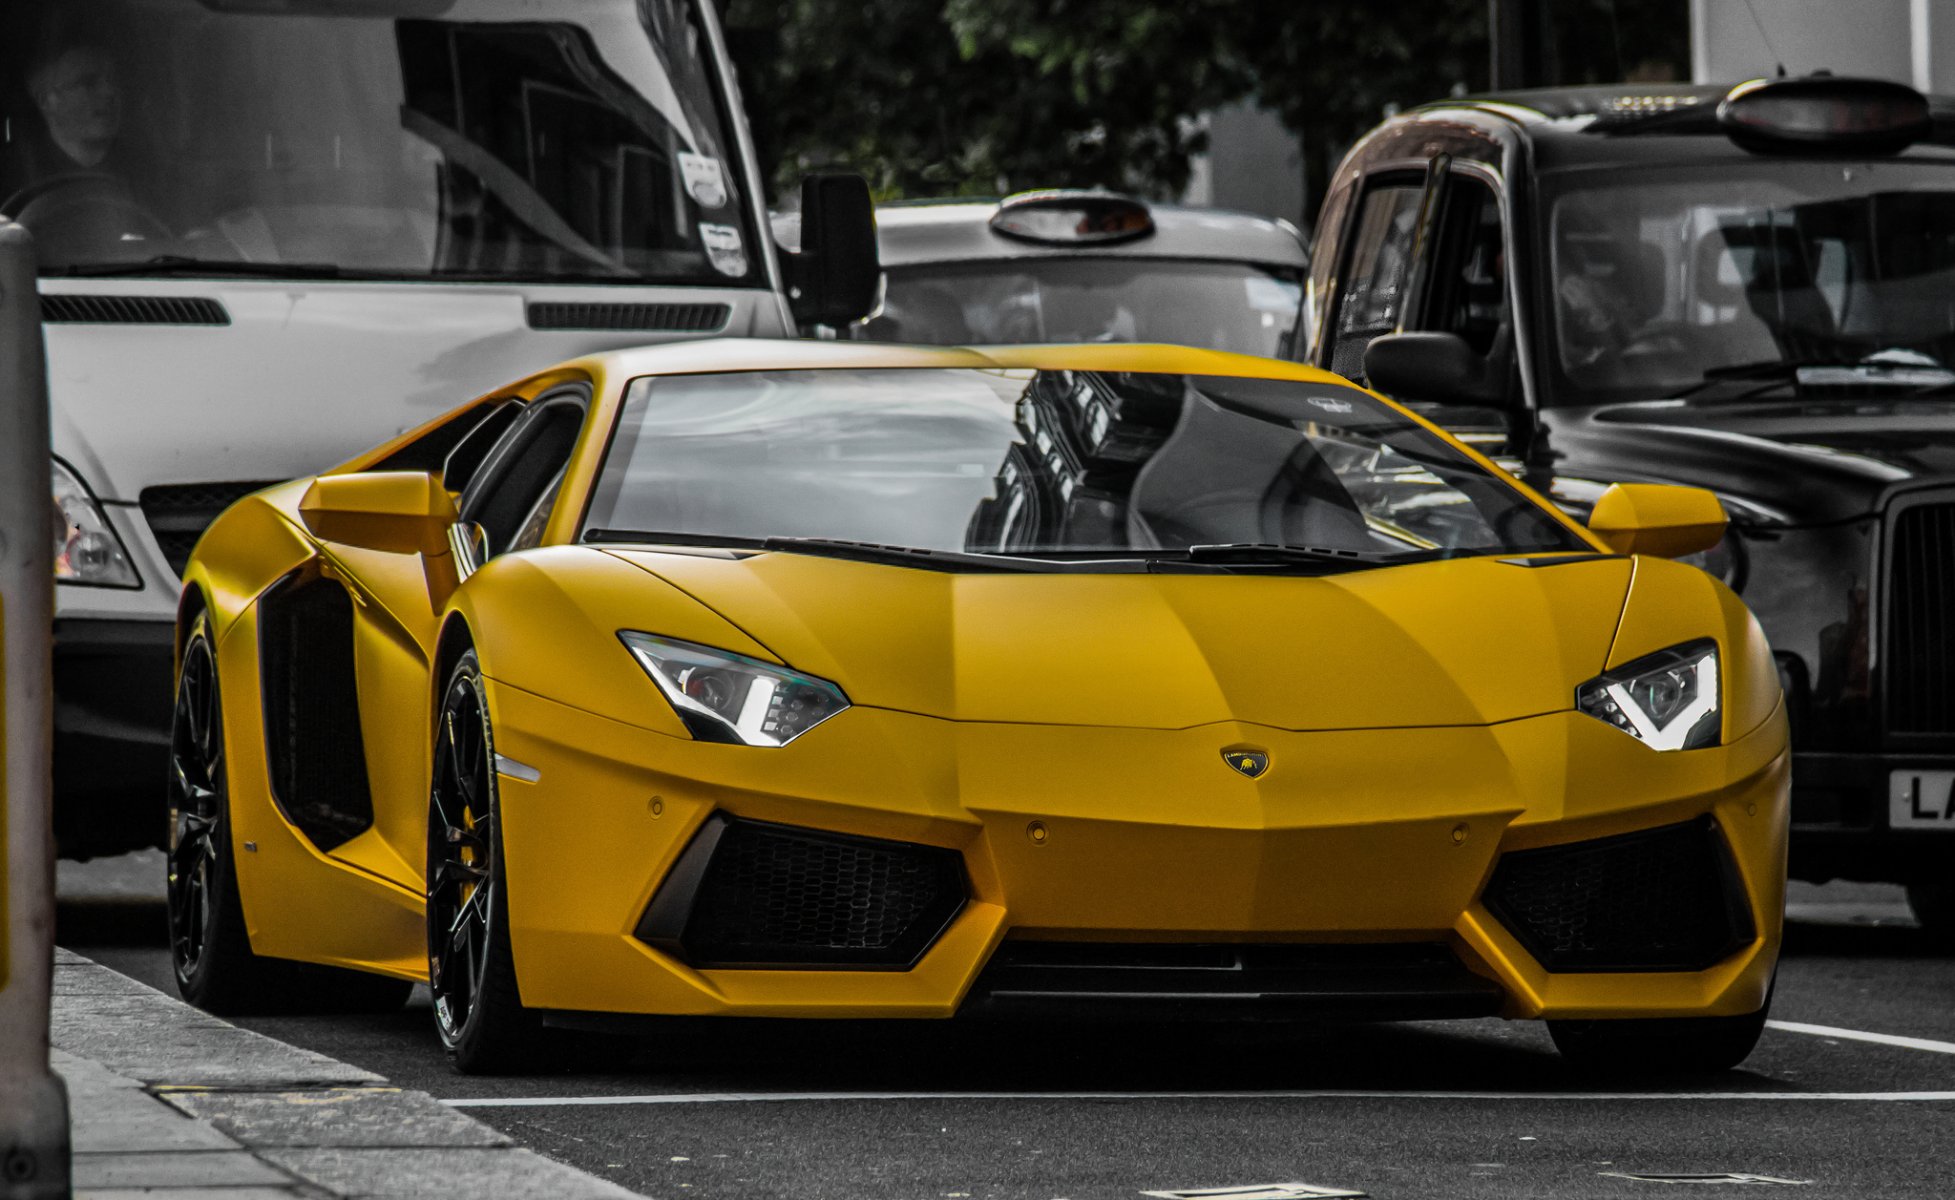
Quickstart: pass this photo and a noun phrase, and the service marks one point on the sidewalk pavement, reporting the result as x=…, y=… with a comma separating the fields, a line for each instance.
x=169, y=1101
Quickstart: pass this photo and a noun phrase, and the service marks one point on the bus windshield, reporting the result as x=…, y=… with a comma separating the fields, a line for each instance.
x=579, y=141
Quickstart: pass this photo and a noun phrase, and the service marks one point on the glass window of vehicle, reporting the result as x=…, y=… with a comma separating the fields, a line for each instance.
x=1240, y=307
x=1049, y=462
x=1466, y=292
x=584, y=140
x=1377, y=271
x=1674, y=279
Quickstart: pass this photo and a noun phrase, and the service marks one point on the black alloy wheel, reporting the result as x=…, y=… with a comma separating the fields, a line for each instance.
x=477, y=1010
x=210, y=948
x=197, y=809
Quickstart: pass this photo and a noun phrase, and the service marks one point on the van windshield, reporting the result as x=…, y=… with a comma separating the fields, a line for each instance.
x=1821, y=276
x=582, y=140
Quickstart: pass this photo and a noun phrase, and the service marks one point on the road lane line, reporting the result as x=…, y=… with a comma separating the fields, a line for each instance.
x=1325, y=1094
x=1855, y=1035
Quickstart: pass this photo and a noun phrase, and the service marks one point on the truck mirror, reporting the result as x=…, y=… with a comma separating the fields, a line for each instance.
x=1437, y=368
x=834, y=278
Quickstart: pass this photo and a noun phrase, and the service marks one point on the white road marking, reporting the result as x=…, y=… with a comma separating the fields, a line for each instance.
x=1323, y=1094
x=1856, y=1035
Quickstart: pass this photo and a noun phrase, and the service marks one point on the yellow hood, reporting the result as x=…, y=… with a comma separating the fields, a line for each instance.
x=1467, y=642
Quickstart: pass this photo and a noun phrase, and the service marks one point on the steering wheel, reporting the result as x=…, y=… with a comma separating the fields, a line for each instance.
x=81, y=210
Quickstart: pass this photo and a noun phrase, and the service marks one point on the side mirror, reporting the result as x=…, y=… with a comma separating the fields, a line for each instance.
x=833, y=279
x=402, y=512
x=1436, y=367
x=1651, y=518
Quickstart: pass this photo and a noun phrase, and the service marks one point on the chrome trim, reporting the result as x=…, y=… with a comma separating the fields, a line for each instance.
x=516, y=770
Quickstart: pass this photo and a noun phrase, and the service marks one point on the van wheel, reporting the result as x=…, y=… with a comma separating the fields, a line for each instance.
x=1658, y=1048
x=477, y=1009
x=210, y=948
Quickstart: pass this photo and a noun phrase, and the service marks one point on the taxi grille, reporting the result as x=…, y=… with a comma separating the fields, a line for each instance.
x=1920, y=658
x=179, y=513
x=749, y=893
x=1665, y=899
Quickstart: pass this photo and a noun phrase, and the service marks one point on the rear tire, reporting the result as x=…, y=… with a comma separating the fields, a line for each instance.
x=478, y=1011
x=1656, y=1048
x=210, y=947
x=1934, y=908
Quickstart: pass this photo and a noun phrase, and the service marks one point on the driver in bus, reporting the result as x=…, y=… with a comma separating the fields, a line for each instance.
x=70, y=191
x=79, y=97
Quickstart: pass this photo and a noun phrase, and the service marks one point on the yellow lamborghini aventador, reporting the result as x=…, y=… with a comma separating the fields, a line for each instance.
x=803, y=679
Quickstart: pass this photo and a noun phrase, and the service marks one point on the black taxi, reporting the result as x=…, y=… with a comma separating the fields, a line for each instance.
x=1749, y=289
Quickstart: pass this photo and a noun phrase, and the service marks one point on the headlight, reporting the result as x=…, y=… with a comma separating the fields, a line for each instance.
x=86, y=550
x=726, y=697
x=1669, y=699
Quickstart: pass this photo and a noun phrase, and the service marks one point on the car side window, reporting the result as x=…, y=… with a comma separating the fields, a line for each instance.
x=1377, y=271
x=1466, y=292
x=521, y=472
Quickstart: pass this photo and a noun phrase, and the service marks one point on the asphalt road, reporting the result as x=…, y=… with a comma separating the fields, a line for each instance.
x=1432, y=1110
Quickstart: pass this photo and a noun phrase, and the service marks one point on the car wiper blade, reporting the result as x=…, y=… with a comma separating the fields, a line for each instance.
x=659, y=537
x=179, y=264
x=902, y=556
x=1781, y=370
x=1273, y=552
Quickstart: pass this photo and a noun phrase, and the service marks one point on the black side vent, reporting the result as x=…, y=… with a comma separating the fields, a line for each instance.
x=632, y=318
x=1665, y=899
x=178, y=513
x=1920, y=663
x=312, y=711
x=754, y=894
x=132, y=310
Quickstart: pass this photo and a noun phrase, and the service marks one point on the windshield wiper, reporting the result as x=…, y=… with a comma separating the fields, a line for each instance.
x=1773, y=371
x=871, y=552
x=1277, y=554
x=180, y=264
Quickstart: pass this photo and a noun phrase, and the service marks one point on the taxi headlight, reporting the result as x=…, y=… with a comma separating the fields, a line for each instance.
x=724, y=697
x=86, y=549
x=1669, y=700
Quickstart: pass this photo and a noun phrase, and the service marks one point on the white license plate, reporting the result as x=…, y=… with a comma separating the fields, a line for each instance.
x=1921, y=800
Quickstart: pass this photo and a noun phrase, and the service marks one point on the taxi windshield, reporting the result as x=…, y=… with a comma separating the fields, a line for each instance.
x=1814, y=275
x=1020, y=462
x=1239, y=307
x=402, y=139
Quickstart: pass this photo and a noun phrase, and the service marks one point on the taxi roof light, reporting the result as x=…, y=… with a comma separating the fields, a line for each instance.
x=1824, y=114
x=1063, y=217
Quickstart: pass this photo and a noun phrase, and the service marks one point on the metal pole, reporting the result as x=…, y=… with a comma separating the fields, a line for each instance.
x=33, y=1101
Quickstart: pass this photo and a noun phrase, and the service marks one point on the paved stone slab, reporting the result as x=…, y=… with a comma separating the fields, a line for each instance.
x=109, y=1113
x=204, y=1169
x=368, y=1118
x=154, y=1039
x=503, y=1174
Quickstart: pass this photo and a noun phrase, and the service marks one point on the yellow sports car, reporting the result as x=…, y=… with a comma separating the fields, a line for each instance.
x=801, y=679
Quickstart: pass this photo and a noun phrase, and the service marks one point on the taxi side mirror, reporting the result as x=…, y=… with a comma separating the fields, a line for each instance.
x=834, y=278
x=402, y=512
x=1658, y=519
x=1436, y=368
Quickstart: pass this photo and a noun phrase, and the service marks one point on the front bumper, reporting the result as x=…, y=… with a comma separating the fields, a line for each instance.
x=112, y=697
x=1842, y=820
x=1366, y=838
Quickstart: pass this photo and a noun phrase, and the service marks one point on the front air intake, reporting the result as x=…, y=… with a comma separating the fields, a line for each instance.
x=1665, y=899
x=754, y=894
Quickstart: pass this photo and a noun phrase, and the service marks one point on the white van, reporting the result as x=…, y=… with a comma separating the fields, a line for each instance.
x=274, y=232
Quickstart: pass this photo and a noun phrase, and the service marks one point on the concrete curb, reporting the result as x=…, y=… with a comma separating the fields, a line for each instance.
x=167, y=1099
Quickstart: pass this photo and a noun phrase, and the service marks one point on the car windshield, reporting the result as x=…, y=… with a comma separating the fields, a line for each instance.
x=1239, y=307
x=1049, y=462
x=1817, y=273
x=477, y=139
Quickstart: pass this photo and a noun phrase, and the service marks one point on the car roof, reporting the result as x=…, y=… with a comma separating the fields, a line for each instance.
x=960, y=231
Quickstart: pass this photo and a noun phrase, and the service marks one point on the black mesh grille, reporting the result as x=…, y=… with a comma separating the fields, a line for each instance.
x=132, y=310
x=778, y=896
x=631, y=318
x=1920, y=659
x=179, y=513
x=1663, y=899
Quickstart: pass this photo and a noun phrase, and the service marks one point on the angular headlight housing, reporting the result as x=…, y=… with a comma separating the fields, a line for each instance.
x=725, y=697
x=1670, y=700
x=86, y=549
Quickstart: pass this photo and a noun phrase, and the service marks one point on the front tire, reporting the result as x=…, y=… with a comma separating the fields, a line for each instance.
x=210, y=947
x=478, y=1011
x=1933, y=905
x=1656, y=1048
